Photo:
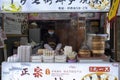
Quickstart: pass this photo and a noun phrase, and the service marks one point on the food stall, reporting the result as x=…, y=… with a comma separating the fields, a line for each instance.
x=44, y=64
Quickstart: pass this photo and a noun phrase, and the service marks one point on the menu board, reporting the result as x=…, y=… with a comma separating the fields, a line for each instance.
x=13, y=23
x=60, y=71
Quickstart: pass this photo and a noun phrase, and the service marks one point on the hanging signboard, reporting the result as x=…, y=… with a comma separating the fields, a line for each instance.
x=54, y=5
x=60, y=71
x=113, y=10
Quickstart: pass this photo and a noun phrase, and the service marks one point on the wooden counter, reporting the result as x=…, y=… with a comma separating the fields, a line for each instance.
x=102, y=58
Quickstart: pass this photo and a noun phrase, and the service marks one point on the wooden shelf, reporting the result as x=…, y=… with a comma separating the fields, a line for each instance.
x=16, y=35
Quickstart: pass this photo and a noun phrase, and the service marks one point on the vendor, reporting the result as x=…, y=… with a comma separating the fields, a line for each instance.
x=51, y=40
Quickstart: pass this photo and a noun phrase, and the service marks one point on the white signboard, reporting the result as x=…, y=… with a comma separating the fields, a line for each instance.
x=54, y=5
x=60, y=71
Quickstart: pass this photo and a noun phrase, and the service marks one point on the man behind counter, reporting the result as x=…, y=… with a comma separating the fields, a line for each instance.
x=51, y=40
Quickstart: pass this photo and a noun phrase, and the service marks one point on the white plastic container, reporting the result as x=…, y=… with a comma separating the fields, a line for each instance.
x=60, y=58
x=48, y=59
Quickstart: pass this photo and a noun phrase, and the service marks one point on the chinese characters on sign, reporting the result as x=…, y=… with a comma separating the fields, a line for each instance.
x=55, y=5
x=25, y=71
x=64, y=1
x=23, y=2
x=37, y=72
x=99, y=69
x=58, y=71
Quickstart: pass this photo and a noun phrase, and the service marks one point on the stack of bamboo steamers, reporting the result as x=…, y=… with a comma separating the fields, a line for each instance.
x=98, y=45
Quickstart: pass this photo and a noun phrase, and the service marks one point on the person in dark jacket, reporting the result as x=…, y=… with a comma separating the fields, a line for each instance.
x=51, y=40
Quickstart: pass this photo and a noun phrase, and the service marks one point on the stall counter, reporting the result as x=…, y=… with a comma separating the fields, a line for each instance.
x=60, y=71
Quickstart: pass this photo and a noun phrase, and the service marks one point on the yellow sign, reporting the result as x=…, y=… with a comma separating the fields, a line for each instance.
x=113, y=10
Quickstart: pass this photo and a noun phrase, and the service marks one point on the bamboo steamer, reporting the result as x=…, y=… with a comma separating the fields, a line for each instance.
x=98, y=44
x=84, y=53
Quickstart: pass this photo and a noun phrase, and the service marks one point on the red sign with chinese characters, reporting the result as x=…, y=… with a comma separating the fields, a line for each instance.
x=99, y=69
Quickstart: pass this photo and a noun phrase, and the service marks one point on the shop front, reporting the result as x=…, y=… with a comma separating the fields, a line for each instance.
x=83, y=52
